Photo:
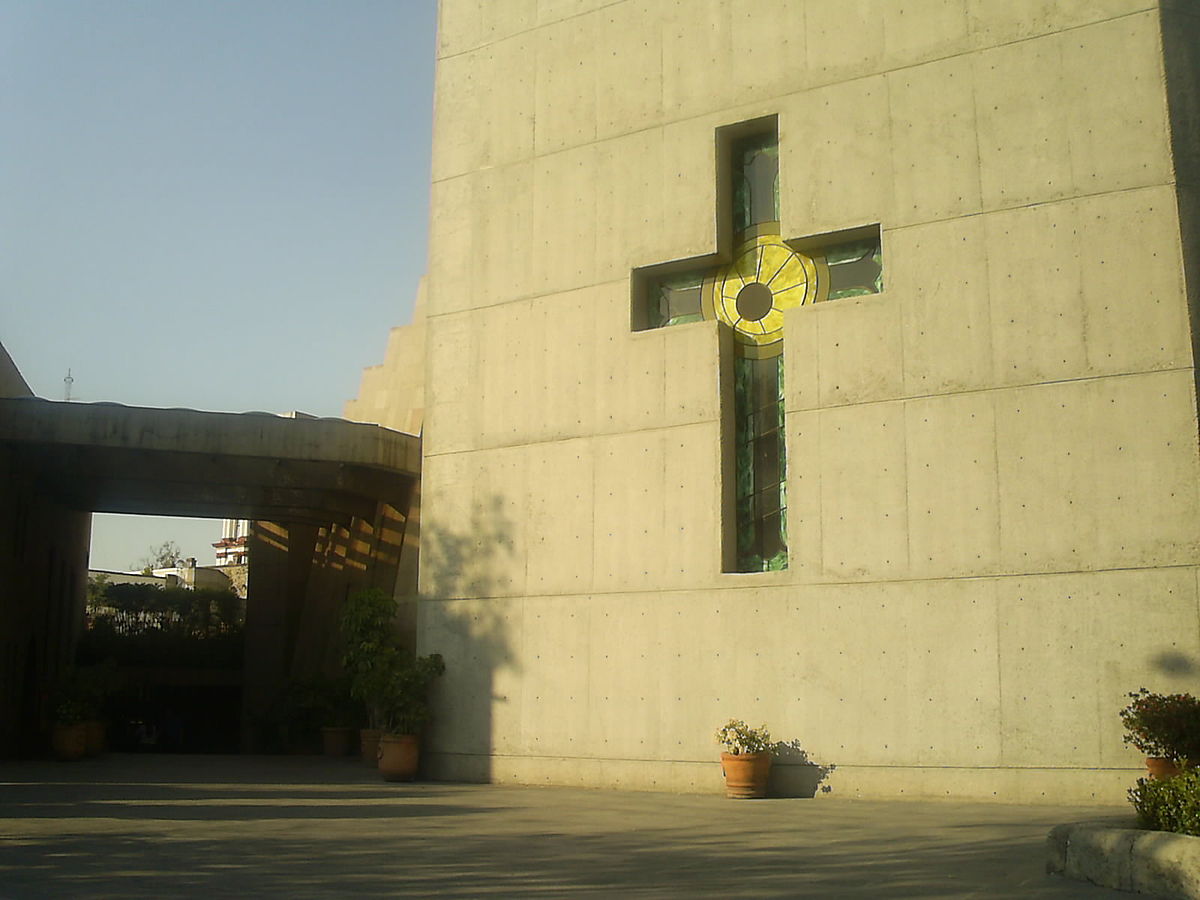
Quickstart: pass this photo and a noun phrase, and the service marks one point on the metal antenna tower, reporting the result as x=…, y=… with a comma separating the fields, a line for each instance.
x=67, y=382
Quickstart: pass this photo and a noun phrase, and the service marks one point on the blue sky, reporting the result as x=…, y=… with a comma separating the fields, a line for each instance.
x=210, y=204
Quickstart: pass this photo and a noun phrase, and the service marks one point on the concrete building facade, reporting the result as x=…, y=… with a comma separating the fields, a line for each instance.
x=991, y=479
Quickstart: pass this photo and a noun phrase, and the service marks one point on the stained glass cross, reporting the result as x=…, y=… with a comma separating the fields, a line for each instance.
x=765, y=276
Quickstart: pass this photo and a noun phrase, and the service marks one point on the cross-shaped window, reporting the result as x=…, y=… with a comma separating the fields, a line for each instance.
x=765, y=275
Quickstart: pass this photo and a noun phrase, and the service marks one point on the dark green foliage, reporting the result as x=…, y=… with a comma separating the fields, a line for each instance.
x=1168, y=804
x=165, y=556
x=321, y=701
x=368, y=642
x=306, y=705
x=404, y=699
x=384, y=677
x=71, y=702
x=1166, y=725
x=81, y=693
x=145, y=625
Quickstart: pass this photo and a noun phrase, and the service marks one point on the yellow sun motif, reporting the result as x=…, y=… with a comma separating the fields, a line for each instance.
x=750, y=294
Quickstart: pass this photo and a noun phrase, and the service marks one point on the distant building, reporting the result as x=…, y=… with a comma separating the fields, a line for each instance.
x=188, y=576
x=232, y=548
x=191, y=576
x=112, y=577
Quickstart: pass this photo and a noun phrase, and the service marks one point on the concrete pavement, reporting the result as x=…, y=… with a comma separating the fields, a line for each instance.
x=223, y=826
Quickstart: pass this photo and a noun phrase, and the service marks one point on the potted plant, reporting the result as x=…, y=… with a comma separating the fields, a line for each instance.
x=298, y=712
x=68, y=740
x=391, y=685
x=96, y=684
x=366, y=625
x=403, y=704
x=1165, y=727
x=746, y=760
x=341, y=715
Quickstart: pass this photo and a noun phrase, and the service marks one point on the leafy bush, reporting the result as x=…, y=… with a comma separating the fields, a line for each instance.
x=136, y=608
x=145, y=625
x=1168, y=804
x=1165, y=725
x=368, y=637
x=384, y=677
x=304, y=706
x=80, y=694
x=320, y=701
x=70, y=711
x=404, y=702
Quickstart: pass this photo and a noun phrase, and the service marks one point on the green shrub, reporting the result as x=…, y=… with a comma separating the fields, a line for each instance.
x=1165, y=725
x=1168, y=804
x=404, y=698
x=145, y=625
x=387, y=679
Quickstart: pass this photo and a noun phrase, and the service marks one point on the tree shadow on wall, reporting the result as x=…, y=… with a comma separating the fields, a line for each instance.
x=468, y=614
x=1172, y=662
x=795, y=774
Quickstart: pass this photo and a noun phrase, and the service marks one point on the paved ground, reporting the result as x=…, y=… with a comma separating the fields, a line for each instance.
x=209, y=826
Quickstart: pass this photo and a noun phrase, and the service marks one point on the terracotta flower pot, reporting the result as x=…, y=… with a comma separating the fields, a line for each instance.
x=69, y=741
x=746, y=774
x=369, y=743
x=1161, y=767
x=398, y=757
x=337, y=741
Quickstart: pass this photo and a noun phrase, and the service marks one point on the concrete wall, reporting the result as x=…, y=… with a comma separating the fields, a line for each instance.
x=393, y=392
x=993, y=470
x=12, y=383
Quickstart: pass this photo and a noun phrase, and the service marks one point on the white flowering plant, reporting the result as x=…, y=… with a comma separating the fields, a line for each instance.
x=739, y=738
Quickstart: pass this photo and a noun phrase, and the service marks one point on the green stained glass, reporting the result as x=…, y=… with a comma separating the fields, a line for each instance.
x=674, y=301
x=760, y=462
x=755, y=181
x=855, y=268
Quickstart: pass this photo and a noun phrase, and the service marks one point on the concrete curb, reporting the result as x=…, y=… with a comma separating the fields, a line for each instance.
x=1146, y=862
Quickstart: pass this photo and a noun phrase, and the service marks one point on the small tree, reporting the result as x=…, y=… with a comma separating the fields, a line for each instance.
x=1165, y=725
x=384, y=677
x=405, y=700
x=368, y=646
x=165, y=556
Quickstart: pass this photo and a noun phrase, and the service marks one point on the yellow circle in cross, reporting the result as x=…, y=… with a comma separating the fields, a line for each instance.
x=750, y=294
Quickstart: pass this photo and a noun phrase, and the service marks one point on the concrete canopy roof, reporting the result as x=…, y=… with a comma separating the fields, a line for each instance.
x=105, y=457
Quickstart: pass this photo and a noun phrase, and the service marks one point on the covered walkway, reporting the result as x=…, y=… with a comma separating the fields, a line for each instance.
x=105, y=457
x=190, y=826
x=334, y=505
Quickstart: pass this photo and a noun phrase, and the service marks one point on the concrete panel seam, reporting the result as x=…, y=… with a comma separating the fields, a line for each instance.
x=536, y=295
x=525, y=298
x=575, y=437
x=1022, y=385
x=1073, y=198
x=995, y=599
x=908, y=482
x=538, y=27
x=767, y=582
